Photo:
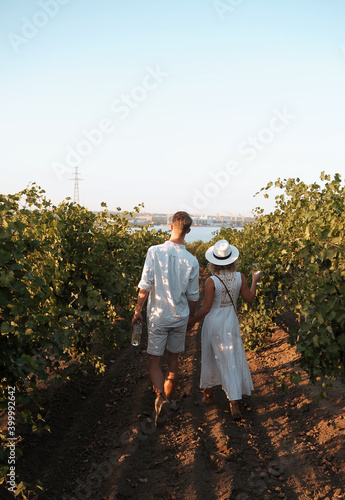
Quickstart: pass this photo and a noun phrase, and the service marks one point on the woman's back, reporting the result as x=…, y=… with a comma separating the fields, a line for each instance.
x=233, y=282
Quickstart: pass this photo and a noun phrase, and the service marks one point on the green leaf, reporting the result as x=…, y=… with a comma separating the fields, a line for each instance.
x=4, y=257
x=5, y=327
x=331, y=253
x=320, y=319
x=341, y=341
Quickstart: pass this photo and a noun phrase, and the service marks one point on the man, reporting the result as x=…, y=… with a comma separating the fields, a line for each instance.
x=170, y=280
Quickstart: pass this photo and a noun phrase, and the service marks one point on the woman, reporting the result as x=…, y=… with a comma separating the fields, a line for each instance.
x=223, y=360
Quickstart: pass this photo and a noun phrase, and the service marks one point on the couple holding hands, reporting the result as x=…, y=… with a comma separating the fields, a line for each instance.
x=170, y=282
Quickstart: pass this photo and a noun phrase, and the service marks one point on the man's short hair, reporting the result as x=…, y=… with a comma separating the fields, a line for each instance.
x=182, y=221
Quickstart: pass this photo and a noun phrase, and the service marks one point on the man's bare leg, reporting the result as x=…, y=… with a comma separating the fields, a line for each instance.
x=157, y=378
x=172, y=374
x=156, y=374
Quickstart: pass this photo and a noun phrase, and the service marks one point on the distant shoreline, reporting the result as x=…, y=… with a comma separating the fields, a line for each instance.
x=194, y=225
x=197, y=233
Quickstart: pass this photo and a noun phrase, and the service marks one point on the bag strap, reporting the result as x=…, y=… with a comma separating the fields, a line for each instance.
x=226, y=288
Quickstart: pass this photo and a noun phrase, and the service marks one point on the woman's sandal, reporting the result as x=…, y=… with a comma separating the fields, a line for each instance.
x=207, y=400
x=235, y=410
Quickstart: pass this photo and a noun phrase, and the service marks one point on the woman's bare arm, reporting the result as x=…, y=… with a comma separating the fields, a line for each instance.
x=249, y=293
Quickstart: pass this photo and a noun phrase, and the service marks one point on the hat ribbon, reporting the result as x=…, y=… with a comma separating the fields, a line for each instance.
x=222, y=258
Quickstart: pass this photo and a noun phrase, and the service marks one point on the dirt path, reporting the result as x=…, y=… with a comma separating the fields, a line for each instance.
x=103, y=445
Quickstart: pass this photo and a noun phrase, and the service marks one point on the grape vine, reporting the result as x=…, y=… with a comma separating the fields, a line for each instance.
x=69, y=280
x=300, y=247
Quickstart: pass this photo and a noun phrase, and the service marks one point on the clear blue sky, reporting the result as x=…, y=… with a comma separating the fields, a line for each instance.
x=180, y=104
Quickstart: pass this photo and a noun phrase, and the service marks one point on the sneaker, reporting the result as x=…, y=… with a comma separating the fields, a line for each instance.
x=161, y=411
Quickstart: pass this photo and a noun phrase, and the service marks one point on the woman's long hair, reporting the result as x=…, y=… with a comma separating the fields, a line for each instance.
x=214, y=269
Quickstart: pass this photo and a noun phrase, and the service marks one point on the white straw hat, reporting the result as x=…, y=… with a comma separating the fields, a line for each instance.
x=222, y=253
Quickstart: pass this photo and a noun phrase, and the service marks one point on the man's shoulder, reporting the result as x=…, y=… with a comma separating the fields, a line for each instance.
x=169, y=247
x=191, y=257
x=153, y=248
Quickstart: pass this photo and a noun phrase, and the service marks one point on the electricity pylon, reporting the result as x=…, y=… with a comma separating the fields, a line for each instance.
x=76, y=180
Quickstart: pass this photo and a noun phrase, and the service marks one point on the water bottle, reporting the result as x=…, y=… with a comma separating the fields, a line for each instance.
x=136, y=334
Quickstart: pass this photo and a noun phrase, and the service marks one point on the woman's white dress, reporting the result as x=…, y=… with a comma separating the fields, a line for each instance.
x=223, y=359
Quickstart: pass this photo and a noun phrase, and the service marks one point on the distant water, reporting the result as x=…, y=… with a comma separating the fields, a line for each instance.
x=203, y=233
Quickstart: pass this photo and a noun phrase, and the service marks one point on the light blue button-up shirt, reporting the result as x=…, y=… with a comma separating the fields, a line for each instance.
x=171, y=275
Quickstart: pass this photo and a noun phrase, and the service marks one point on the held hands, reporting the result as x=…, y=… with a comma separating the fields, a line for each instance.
x=190, y=324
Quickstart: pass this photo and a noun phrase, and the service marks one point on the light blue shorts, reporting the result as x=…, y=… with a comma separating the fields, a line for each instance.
x=172, y=338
